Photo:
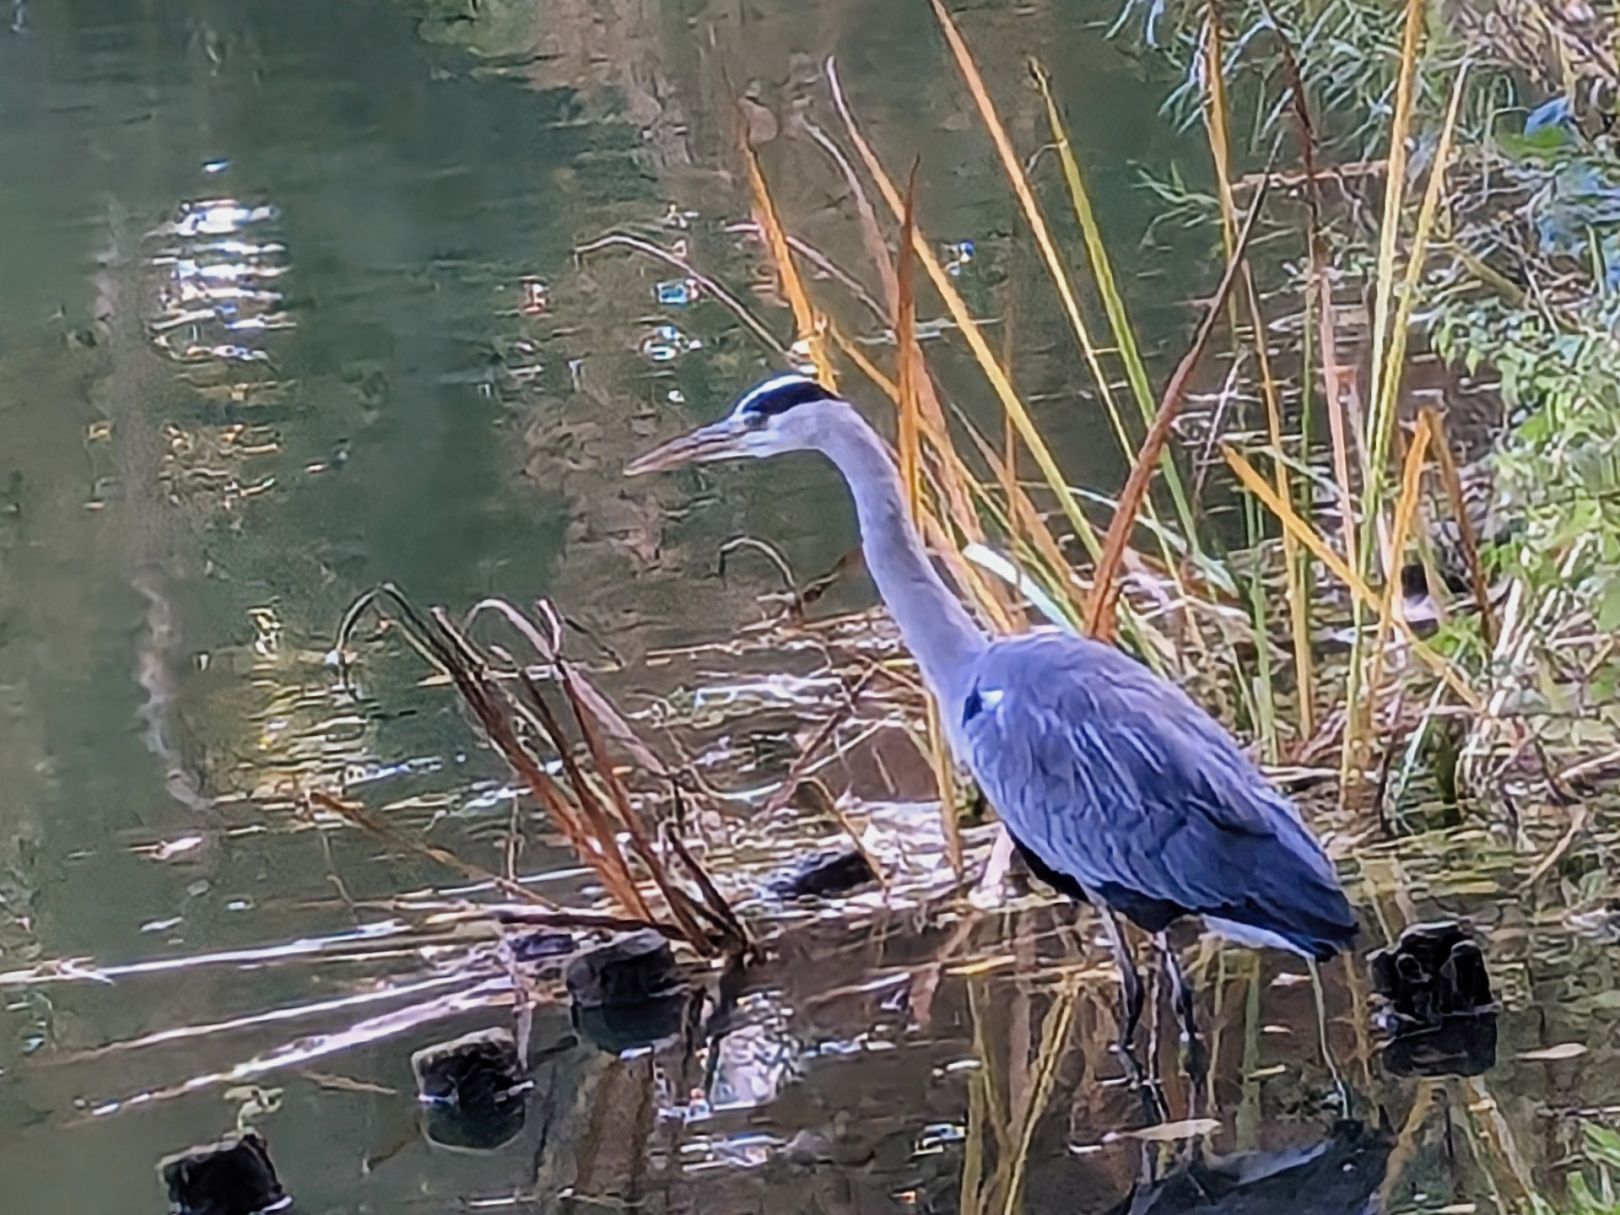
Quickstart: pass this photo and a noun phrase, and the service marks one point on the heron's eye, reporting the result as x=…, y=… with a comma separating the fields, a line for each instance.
x=754, y=419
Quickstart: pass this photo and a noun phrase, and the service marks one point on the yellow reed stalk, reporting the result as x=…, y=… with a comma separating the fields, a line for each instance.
x=1215, y=117
x=1215, y=121
x=1024, y=516
x=1289, y=518
x=805, y=318
x=1357, y=721
x=1102, y=268
x=905, y=329
x=1014, y=169
x=1105, y=589
x=1389, y=233
x=1389, y=387
x=974, y=336
x=1055, y=1031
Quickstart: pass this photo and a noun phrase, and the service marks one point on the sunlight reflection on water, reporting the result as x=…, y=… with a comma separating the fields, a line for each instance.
x=220, y=287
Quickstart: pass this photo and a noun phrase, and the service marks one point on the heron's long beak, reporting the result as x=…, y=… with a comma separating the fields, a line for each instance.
x=718, y=441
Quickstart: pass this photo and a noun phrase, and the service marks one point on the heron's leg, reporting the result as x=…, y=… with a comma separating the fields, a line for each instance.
x=1340, y=1089
x=987, y=892
x=1130, y=983
x=1180, y=993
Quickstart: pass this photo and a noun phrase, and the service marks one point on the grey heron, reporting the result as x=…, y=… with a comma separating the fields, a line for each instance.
x=1113, y=784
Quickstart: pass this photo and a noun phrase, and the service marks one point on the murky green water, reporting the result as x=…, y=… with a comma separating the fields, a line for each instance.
x=290, y=305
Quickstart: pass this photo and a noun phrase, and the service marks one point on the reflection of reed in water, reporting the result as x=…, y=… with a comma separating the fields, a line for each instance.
x=154, y=671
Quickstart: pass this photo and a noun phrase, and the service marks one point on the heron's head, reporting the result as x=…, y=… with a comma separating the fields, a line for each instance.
x=785, y=413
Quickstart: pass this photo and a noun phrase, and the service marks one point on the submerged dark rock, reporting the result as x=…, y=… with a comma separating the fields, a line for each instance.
x=473, y=1088
x=231, y=1177
x=631, y=969
x=824, y=875
x=1437, y=1003
x=628, y=993
x=1433, y=972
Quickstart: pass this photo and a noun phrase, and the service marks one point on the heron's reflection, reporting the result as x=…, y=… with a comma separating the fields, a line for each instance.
x=1341, y=1175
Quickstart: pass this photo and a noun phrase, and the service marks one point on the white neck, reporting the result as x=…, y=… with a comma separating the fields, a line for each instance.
x=935, y=626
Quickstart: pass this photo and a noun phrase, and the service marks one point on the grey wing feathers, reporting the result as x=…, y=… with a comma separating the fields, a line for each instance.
x=1116, y=779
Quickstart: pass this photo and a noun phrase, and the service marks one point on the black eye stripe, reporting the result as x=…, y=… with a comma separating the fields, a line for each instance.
x=778, y=396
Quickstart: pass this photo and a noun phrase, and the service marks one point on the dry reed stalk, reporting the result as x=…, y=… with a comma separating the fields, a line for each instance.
x=1389, y=608
x=1014, y=170
x=1102, y=268
x=363, y=818
x=1024, y=517
x=1319, y=284
x=1465, y=527
x=1055, y=1033
x=908, y=356
x=1389, y=230
x=953, y=481
x=1387, y=384
x=591, y=713
x=1318, y=292
x=1358, y=723
x=453, y=655
x=585, y=822
x=1261, y=488
x=1215, y=114
x=1119, y=322
x=1389, y=387
x=714, y=289
x=675, y=898
x=905, y=328
x=1105, y=588
x=805, y=318
x=970, y=329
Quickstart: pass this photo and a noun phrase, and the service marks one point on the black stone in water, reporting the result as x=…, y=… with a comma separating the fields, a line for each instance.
x=830, y=873
x=474, y=1089
x=1433, y=972
x=632, y=969
x=231, y=1177
x=627, y=994
x=475, y=1071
